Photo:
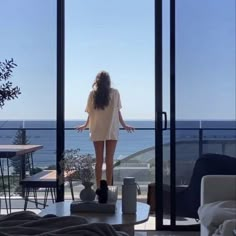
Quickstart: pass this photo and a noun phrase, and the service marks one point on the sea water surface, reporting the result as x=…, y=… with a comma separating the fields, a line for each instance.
x=43, y=132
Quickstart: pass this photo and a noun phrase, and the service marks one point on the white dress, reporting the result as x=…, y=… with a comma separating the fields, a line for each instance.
x=104, y=124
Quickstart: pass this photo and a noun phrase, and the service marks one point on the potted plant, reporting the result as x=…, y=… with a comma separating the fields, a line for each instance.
x=81, y=166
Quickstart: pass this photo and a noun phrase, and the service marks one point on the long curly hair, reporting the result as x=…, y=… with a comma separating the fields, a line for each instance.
x=101, y=86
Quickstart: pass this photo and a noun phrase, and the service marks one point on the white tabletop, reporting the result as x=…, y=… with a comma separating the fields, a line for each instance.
x=115, y=219
x=8, y=151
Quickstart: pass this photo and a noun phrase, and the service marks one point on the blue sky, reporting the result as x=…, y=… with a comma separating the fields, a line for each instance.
x=118, y=36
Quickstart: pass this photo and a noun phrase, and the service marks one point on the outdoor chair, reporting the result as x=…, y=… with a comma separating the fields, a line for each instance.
x=188, y=198
x=44, y=179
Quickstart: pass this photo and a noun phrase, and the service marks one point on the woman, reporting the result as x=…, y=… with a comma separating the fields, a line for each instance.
x=103, y=108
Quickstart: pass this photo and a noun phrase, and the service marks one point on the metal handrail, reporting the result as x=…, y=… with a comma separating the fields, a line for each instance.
x=138, y=128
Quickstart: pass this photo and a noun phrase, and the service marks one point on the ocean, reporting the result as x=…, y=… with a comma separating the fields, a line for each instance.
x=43, y=132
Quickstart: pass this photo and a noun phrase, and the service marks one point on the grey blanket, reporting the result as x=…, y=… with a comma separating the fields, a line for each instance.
x=26, y=223
x=213, y=215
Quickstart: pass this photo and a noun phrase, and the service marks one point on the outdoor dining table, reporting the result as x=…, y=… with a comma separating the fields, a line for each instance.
x=10, y=151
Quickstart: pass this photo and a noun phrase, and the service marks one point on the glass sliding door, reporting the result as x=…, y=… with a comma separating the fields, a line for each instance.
x=198, y=92
x=205, y=89
x=28, y=36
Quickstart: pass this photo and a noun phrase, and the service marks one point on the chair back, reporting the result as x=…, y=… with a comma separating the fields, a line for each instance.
x=207, y=164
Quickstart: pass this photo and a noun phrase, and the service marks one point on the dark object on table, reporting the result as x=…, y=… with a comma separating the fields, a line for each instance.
x=102, y=192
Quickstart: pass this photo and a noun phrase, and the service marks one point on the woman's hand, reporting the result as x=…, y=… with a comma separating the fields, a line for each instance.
x=81, y=127
x=128, y=128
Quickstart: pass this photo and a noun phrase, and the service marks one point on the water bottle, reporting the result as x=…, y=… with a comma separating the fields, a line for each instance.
x=129, y=195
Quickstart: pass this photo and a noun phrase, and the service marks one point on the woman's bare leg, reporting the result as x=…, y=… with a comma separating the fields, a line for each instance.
x=99, y=150
x=110, y=150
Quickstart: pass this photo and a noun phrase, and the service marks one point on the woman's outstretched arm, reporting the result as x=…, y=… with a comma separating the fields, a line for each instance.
x=124, y=125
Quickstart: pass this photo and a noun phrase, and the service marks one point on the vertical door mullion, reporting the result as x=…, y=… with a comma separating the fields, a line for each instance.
x=60, y=94
x=158, y=115
x=172, y=116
